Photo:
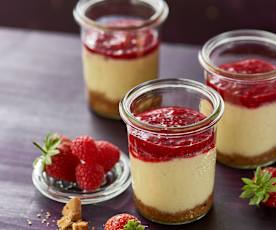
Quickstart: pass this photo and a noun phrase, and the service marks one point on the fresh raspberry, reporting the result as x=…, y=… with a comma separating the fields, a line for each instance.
x=62, y=167
x=123, y=222
x=89, y=176
x=108, y=156
x=57, y=159
x=85, y=149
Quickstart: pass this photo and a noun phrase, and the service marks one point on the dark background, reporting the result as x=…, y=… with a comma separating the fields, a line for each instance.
x=189, y=21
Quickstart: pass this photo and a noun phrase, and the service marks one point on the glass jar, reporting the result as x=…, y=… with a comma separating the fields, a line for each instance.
x=241, y=66
x=120, y=48
x=171, y=137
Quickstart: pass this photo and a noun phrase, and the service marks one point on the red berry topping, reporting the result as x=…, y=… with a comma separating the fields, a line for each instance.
x=171, y=117
x=89, y=176
x=122, y=44
x=262, y=188
x=154, y=148
x=123, y=222
x=251, y=95
x=249, y=66
x=109, y=154
x=57, y=159
x=84, y=147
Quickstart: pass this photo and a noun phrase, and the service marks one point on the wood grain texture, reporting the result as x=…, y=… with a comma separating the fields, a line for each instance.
x=41, y=90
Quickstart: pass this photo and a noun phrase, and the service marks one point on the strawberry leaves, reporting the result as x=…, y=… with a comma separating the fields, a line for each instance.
x=133, y=225
x=49, y=149
x=51, y=143
x=258, y=189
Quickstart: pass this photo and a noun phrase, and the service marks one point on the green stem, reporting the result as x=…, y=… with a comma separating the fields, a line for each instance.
x=40, y=148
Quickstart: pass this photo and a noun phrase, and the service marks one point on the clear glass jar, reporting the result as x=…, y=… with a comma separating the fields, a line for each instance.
x=241, y=66
x=171, y=137
x=120, y=48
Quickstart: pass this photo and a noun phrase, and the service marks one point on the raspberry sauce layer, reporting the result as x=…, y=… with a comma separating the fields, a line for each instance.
x=122, y=44
x=250, y=95
x=162, y=147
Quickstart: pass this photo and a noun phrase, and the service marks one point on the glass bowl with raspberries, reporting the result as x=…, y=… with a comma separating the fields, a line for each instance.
x=95, y=171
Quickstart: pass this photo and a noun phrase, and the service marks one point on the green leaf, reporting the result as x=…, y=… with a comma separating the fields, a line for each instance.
x=246, y=187
x=266, y=197
x=55, y=144
x=273, y=180
x=48, y=160
x=272, y=188
x=260, y=194
x=254, y=201
x=52, y=141
x=47, y=140
x=257, y=190
x=258, y=175
x=266, y=177
x=247, y=181
x=50, y=148
x=133, y=225
x=53, y=152
x=260, y=198
x=247, y=194
x=252, y=187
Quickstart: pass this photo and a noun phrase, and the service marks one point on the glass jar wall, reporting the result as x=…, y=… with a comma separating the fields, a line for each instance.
x=241, y=66
x=171, y=136
x=120, y=48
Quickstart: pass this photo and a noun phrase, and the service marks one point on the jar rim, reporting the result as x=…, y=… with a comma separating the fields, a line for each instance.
x=161, y=12
x=233, y=36
x=129, y=118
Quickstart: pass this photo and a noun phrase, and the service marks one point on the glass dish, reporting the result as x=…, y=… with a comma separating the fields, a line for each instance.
x=116, y=182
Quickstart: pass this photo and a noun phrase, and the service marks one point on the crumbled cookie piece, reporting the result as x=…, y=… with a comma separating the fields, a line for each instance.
x=80, y=226
x=73, y=209
x=71, y=219
x=65, y=223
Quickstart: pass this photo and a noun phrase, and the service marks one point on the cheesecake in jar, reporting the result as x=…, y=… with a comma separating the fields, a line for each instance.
x=120, y=48
x=172, y=148
x=241, y=66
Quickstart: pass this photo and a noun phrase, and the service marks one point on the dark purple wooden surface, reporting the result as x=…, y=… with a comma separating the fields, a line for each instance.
x=191, y=22
x=41, y=90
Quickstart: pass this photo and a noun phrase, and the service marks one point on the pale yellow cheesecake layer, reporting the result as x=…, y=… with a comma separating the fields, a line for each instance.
x=175, y=185
x=113, y=77
x=247, y=132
